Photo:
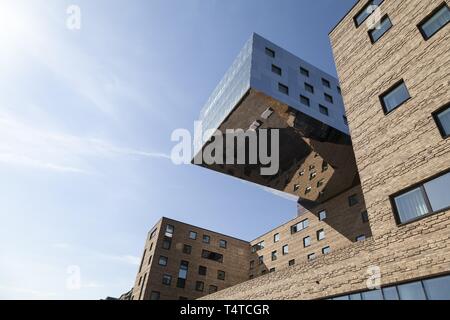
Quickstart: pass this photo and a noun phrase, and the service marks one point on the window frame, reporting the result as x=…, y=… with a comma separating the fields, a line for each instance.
x=304, y=72
x=223, y=244
x=438, y=122
x=309, y=88
x=277, y=70
x=326, y=111
x=390, y=90
x=326, y=83
x=303, y=99
x=372, y=40
x=368, y=3
x=193, y=233
x=284, y=87
x=428, y=17
x=269, y=52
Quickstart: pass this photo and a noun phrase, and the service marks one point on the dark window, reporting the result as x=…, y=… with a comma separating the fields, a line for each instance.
x=149, y=260
x=167, y=279
x=221, y=275
x=169, y=231
x=345, y=120
x=270, y=53
x=155, y=295
x=328, y=98
x=309, y=88
x=252, y=264
x=299, y=226
x=274, y=255
x=304, y=72
x=435, y=21
x=206, y=238
x=285, y=250
x=167, y=242
x=324, y=166
x=352, y=200
x=183, y=298
x=163, y=261
x=306, y=241
x=272, y=270
x=442, y=118
x=192, y=235
x=202, y=270
x=322, y=215
x=380, y=29
x=260, y=260
x=187, y=249
x=142, y=260
x=305, y=101
x=365, y=216
x=199, y=286
x=320, y=234
x=323, y=110
x=152, y=234
x=394, y=97
x=339, y=90
x=283, y=89
x=291, y=262
x=212, y=289
x=223, y=244
x=312, y=175
x=308, y=190
x=326, y=250
x=258, y=246
x=276, y=70
x=427, y=198
x=151, y=247
x=326, y=83
x=251, y=277
x=264, y=272
x=212, y=256
x=320, y=183
x=182, y=274
x=276, y=237
x=365, y=12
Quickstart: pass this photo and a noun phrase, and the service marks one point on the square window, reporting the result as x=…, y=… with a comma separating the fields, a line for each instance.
x=270, y=52
x=296, y=187
x=304, y=72
x=199, y=286
x=322, y=215
x=305, y=101
x=221, y=275
x=272, y=270
x=306, y=241
x=155, y=295
x=276, y=70
x=163, y=261
x=283, y=89
x=276, y=237
x=326, y=83
x=308, y=190
x=274, y=255
x=206, y=239
x=323, y=110
x=167, y=242
x=352, y=200
x=311, y=256
x=442, y=118
x=213, y=289
x=381, y=28
x=223, y=244
x=285, y=250
x=291, y=262
x=328, y=98
x=187, y=249
x=394, y=97
x=435, y=21
x=202, y=270
x=411, y=205
x=255, y=125
x=326, y=250
x=167, y=279
x=192, y=235
x=309, y=88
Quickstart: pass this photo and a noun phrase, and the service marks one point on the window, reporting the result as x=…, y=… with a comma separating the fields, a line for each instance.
x=372, y=295
x=345, y=120
x=339, y=90
x=411, y=291
x=192, y=235
x=326, y=250
x=394, y=97
x=306, y=241
x=311, y=256
x=276, y=237
x=163, y=261
x=299, y=226
x=182, y=274
x=272, y=270
x=251, y=277
x=322, y=215
x=202, y=270
x=199, y=286
x=304, y=72
x=291, y=262
x=266, y=114
x=276, y=70
x=167, y=242
x=223, y=244
x=187, y=249
x=274, y=255
x=320, y=183
x=365, y=216
x=252, y=264
x=183, y=298
x=283, y=89
x=270, y=53
x=285, y=250
x=328, y=98
x=352, y=200
x=324, y=166
x=169, y=231
x=264, y=272
x=437, y=288
x=149, y=260
x=258, y=246
x=167, y=279
x=435, y=22
x=212, y=289
x=221, y=275
x=380, y=29
x=308, y=190
x=312, y=175
x=309, y=88
x=360, y=238
x=326, y=83
x=152, y=234
x=305, y=101
x=442, y=118
x=212, y=256
x=320, y=234
x=206, y=239
x=425, y=199
x=390, y=293
x=151, y=247
x=155, y=295
x=260, y=260
x=142, y=261
x=301, y=173
x=323, y=110
x=365, y=12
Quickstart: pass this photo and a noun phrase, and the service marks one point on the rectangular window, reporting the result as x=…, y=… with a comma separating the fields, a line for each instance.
x=339, y=90
x=199, y=286
x=192, y=235
x=442, y=118
x=360, y=238
x=311, y=256
x=305, y=100
x=366, y=11
x=320, y=234
x=202, y=270
x=352, y=200
x=152, y=234
x=435, y=22
x=167, y=279
x=276, y=70
x=291, y=262
x=272, y=270
x=365, y=217
x=212, y=256
x=252, y=264
x=312, y=175
x=380, y=29
x=223, y=244
x=427, y=198
x=163, y=261
x=149, y=260
x=322, y=215
x=324, y=166
x=187, y=249
x=345, y=120
x=283, y=89
x=167, y=242
x=328, y=98
x=258, y=246
x=285, y=250
x=260, y=260
x=320, y=183
x=169, y=231
x=299, y=226
x=270, y=53
x=212, y=289
x=394, y=97
x=266, y=114
x=206, y=239
x=182, y=274
x=155, y=295
x=323, y=110
x=309, y=88
x=326, y=83
x=304, y=72
x=274, y=255
x=306, y=241
x=326, y=250
x=276, y=237
x=221, y=275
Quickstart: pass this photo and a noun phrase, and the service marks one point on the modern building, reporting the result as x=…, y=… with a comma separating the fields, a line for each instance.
x=383, y=231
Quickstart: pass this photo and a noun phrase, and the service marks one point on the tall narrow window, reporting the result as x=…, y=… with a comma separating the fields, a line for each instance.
x=206, y=238
x=182, y=274
x=442, y=118
x=435, y=22
x=276, y=237
x=380, y=29
x=274, y=255
x=285, y=250
x=322, y=215
x=394, y=97
x=306, y=241
x=320, y=234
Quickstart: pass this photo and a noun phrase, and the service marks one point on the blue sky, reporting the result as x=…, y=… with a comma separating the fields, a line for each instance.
x=85, y=123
